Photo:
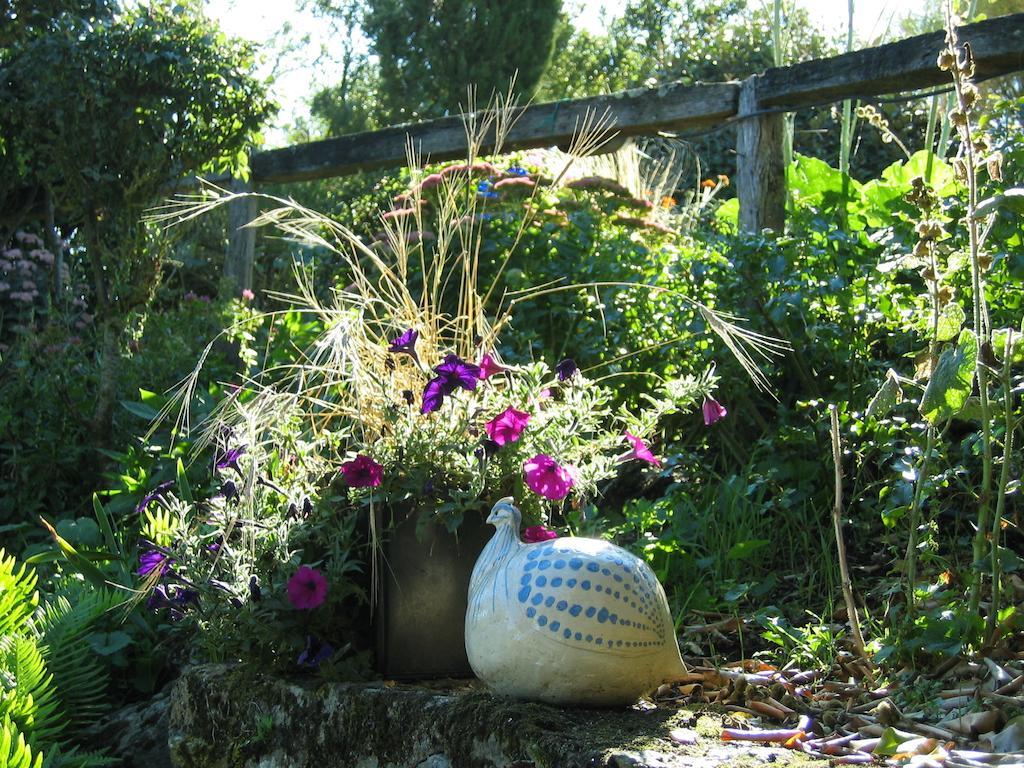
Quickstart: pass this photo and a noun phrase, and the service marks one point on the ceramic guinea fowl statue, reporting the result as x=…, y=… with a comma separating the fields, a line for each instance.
x=567, y=621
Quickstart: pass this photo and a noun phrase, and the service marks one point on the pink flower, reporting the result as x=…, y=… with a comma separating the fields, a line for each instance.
x=713, y=411
x=307, y=588
x=507, y=426
x=247, y=295
x=547, y=478
x=640, y=451
x=489, y=366
x=536, y=533
x=362, y=472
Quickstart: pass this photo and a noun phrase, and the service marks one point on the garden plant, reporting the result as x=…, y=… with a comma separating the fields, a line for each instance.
x=812, y=436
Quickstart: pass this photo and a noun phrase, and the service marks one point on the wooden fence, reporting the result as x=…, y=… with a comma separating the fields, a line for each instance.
x=757, y=105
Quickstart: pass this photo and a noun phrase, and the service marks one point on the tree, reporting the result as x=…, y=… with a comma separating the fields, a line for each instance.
x=20, y=19
x=429, y=51
x=105, y=119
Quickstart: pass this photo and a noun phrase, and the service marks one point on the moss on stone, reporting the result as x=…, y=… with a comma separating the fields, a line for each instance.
x=224, y=716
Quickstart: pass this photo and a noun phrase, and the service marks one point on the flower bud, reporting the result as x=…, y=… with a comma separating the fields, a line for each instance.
x=944, y=295
x=957, y=117
x=984, y=262
x=946, y=60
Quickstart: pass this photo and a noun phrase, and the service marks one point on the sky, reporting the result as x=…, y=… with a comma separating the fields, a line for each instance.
x=304, y=66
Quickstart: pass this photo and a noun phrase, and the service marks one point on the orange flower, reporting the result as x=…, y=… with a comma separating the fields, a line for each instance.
x=667, y=202
x=708, y=184
x=723, y=180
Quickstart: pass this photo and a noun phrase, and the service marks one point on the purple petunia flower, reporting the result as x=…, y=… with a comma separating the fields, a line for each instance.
x=229, y=460
x=406, y=344
x=151, y=560
x=156, y=493
x=507, y=426
x=307, y=588
x=547, y=478
x=454, y=373
x=362, y=472
x=315, y=653
x=536, y=533
x=566, y=368
x=713, y=411
x=175, y=599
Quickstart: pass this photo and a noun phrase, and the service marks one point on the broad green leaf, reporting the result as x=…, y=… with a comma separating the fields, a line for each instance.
x=1000, y=337
x=744, y=549
x=952, y=380
x=109, y=643
x=951, y=320
x=1010, y=200
x=888, y=396
x=141, y=410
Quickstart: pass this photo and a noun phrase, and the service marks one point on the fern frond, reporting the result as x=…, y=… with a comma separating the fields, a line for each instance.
x=79, y=677
x=14, y=751
x=18, y=598
x=31, y=702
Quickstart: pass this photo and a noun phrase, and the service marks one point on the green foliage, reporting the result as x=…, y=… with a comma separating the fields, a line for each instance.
x=50, y=683
x=104, y=121
x=48, y=382
x=14, y=752
x=428, y=53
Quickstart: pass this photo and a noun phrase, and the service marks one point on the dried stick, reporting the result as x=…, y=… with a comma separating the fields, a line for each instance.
x=837, y=521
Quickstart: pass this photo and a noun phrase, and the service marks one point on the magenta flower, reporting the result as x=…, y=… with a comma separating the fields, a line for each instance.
x=489, y=367
x=536, y=533
x=566, y=368
x=547, y=478
x=453, y=374
x=713, y=411
x=507, y=426
x=362, y=472
x=640, y=451
x=307, y=588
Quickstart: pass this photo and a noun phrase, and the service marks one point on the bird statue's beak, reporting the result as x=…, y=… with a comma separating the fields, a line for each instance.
x=493, y=517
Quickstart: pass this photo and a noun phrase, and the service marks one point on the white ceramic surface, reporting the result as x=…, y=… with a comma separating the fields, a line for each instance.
x=567, y=621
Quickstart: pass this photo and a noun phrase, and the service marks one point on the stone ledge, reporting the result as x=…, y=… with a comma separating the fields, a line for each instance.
x=225, y=716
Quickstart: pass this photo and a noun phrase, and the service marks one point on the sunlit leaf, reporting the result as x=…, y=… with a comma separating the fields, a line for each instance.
x=952, y=380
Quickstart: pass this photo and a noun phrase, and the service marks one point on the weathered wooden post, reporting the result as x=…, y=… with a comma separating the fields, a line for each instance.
x=760, y=170
x=238, y=264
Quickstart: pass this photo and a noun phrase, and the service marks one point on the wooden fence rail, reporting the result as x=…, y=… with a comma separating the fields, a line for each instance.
x=757, y=104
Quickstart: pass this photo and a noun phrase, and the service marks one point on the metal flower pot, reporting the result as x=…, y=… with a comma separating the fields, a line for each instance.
x=421, y=613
